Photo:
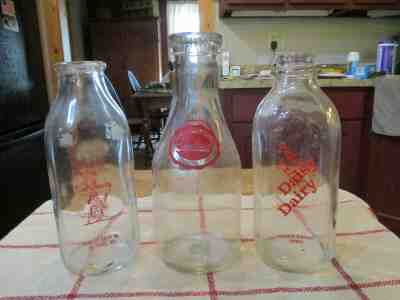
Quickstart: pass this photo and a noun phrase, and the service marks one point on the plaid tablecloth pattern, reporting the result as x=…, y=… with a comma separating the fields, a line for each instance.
x=367, y=265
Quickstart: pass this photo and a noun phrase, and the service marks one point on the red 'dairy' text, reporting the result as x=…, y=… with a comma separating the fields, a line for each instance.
x=297, y=183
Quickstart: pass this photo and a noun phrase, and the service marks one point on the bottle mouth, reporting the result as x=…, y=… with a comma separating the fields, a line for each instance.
x=294, y=62
x=84, y=66
x=195, y=43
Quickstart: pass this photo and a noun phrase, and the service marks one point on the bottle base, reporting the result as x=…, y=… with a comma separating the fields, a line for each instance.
x=200, y=253
x=295, y=256
x=99, y=260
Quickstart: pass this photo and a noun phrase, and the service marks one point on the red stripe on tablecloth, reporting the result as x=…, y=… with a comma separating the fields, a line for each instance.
x=244, y=240
x=244, y=292
x=366, y=232
x=55, y=246
x=211, y=286
x=150, y=210
x=171, y=294
x=47, y=297
x=51, y=246
x=346, y=276
x=203, y=228
x=75, y=289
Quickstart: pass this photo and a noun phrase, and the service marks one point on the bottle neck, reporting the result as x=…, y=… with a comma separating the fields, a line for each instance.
x=294, y=79
x=81, y=84
x=196, y=82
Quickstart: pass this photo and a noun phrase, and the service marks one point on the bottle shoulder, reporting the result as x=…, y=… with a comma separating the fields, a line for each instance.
x=312, y=102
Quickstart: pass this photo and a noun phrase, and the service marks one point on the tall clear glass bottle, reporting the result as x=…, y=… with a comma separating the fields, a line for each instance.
x=196, y=168
x=296, y=158
x=90, y=162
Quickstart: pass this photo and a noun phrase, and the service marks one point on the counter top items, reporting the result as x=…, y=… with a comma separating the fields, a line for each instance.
x=365, y=71
x=296, y=189
x=367, y=266
x=235, y=71
x=225, y=63
x=353, y=59
x=90, y=157
x=386, y=112
x=332, y=71
x=386, y=57
x=238, y=83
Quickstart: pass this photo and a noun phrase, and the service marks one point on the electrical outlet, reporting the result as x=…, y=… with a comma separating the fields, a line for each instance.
x=278, y=40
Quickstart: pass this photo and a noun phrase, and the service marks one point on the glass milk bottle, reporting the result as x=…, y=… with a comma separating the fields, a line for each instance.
x=296, y=159
x=196, y=168
x=90, y=162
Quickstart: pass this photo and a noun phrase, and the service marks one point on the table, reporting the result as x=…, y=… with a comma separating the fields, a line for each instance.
x=148, y=103
x=367, y=265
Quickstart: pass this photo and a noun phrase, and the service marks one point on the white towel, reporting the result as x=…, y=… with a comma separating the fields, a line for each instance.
x=386, y=117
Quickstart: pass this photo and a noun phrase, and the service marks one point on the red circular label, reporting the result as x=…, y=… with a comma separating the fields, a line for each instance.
x=194, y=145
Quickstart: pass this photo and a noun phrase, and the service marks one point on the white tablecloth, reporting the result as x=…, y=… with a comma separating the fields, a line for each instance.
x=367, y=265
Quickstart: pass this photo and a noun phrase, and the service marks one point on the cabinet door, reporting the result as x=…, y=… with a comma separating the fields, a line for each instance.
x=350, y=177
x=127, y=45
x=106, y=40
x=245, y=105
x=241, y=134
x=141, y=40
x=350, y=102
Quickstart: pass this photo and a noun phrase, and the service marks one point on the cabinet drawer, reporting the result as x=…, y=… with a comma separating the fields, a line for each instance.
x=350, y=103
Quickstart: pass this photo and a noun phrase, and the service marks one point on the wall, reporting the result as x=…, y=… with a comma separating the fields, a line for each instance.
x=330, y=39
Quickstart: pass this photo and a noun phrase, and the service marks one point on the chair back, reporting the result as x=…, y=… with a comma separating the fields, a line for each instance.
x=133, y=82
x=113, y=92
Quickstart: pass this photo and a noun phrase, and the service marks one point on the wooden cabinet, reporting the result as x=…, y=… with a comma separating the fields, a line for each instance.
x=318, y=2
x=127, y=45
x=229, y=6
x=354, y=106
x=375, y=2
x=226, y=7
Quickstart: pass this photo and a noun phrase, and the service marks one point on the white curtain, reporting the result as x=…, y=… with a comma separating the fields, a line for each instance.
x=183, y=16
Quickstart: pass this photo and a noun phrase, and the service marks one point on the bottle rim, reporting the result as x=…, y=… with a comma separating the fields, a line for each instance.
x=195, y=43
x=84, y=66
x=294, y=62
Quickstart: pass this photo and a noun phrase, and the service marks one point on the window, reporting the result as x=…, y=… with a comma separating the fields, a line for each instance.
x=183, y=16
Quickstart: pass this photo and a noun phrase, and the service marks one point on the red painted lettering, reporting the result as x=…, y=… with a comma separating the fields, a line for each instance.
x=285, y=188
x=285, y=209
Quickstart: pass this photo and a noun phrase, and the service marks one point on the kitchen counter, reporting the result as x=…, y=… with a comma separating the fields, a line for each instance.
x=267, y=83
